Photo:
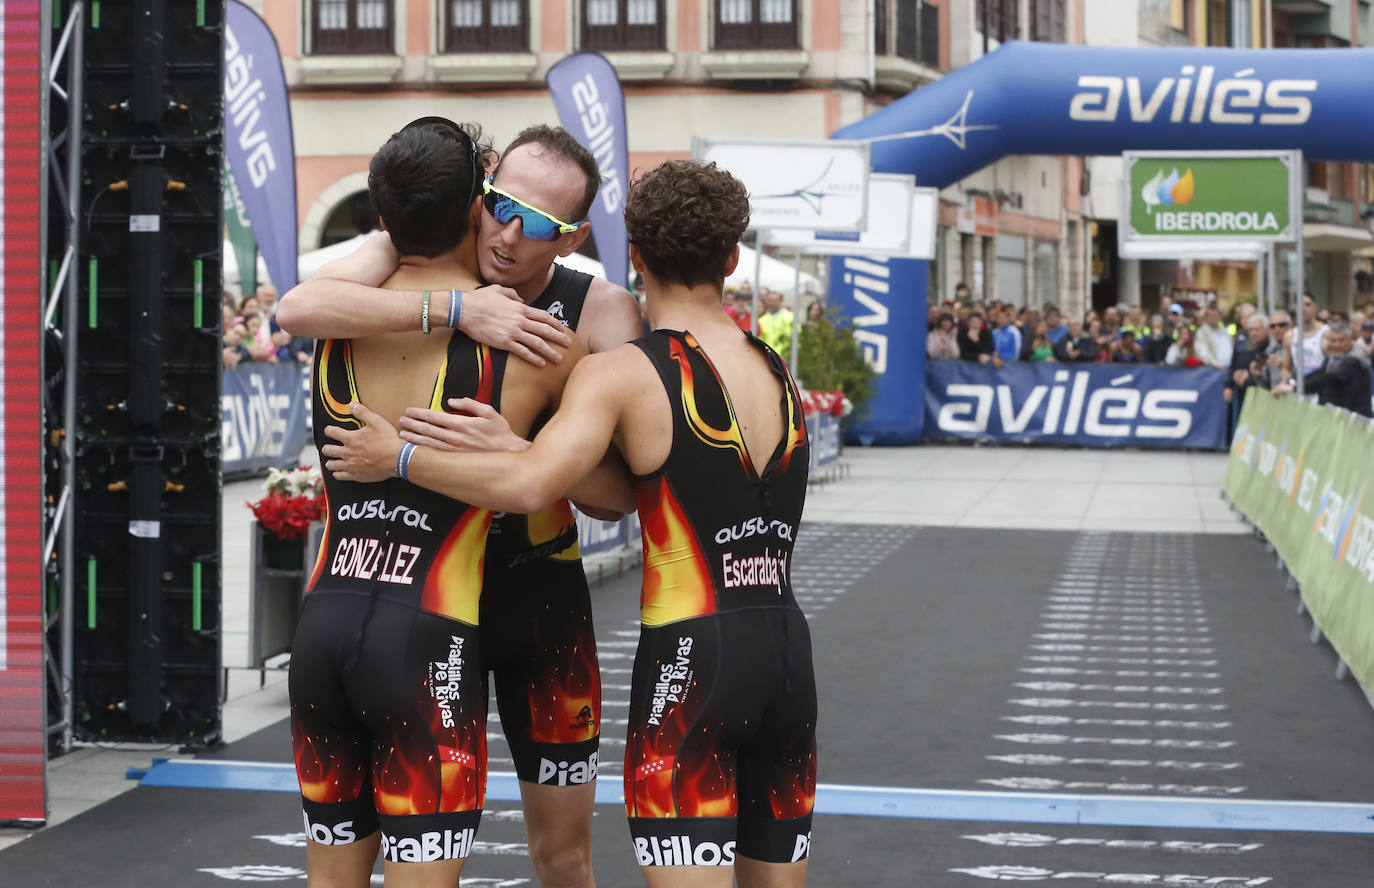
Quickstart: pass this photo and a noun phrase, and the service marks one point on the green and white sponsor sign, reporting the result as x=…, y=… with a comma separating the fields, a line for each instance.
x=1211, y=196
x=1304, y=475
x=240, y=233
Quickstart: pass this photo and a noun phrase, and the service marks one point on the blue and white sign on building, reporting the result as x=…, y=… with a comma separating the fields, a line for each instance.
x=1090, y=405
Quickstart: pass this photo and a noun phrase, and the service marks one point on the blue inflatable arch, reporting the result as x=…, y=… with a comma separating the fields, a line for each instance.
x=1044, y=98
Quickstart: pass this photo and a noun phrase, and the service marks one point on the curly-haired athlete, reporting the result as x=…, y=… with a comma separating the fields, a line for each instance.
x=388, y=699
x=720, y=767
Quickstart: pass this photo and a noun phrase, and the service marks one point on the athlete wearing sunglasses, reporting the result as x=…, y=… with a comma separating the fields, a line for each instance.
x=535, y=224
x=544, y=178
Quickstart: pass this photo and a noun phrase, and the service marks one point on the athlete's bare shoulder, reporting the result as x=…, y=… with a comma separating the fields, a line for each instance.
x=622, y=386
x=530, y=390
x=555, y=374
x=610, y=316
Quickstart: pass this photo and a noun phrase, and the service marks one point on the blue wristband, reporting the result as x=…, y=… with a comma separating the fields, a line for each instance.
x=455, y=308
x=403, y=460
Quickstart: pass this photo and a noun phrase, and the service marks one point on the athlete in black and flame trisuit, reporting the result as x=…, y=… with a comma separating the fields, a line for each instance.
x=536, y=607
x=388, y=712
x=388, y=699
x=721, y=749
x=720, y=765
x=537, y=619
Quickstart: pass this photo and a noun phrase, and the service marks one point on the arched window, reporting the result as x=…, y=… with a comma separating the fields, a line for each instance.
x=352, y=216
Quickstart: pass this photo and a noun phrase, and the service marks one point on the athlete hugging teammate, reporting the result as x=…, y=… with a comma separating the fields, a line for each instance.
x=388, y=693
x=535, y=624
x=720, y=767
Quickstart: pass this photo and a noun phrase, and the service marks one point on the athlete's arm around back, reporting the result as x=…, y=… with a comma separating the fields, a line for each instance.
x=610, y=318
x=342, y=300
x=603, y=403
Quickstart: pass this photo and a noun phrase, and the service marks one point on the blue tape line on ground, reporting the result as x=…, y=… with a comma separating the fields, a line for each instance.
x=883, y=801
x=1089, y=810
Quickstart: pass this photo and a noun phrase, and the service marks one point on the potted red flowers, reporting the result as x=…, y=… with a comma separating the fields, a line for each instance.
x=292, y=501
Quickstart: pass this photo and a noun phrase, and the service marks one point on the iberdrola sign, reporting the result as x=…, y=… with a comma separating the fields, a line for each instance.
x=1210, y=196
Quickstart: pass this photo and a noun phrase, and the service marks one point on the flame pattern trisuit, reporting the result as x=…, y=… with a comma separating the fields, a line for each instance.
x=536, y=628
x=388, y=706
x=721, y=750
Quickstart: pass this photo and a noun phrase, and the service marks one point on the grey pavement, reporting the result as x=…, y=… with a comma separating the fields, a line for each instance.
x=1029, y=488
x=973, y=487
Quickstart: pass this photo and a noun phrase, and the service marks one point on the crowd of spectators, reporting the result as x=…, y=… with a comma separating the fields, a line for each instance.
x=774, y=324
x=1255, y=350
x=251, y=332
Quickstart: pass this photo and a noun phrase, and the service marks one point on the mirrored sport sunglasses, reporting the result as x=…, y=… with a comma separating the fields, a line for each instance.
x=535, y=223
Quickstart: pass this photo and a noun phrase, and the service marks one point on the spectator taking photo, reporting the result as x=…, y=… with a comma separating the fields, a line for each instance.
x=1343, y=378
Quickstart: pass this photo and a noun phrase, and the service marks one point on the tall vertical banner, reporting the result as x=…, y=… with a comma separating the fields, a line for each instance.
x=591, y=105
x=22, y=717
x=885, y=300
x=258, y=140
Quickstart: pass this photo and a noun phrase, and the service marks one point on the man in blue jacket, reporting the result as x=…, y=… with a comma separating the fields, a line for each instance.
x=1006, y=339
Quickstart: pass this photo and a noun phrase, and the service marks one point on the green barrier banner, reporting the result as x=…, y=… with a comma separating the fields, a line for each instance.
x=1303, y=473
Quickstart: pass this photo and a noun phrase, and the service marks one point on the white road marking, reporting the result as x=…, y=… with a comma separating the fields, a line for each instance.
x=1159, y=743
x=1045, y=783
x=1050, y=761
x=1061, y=703
x=1056, y=720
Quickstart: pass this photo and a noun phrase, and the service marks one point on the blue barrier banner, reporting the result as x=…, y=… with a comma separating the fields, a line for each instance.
x=885, y=300
x=1090, y=405
x=823, y=433
x=595, y=535
x=266, y=416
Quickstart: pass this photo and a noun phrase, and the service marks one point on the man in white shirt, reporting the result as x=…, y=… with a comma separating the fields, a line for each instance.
x=1214, y=343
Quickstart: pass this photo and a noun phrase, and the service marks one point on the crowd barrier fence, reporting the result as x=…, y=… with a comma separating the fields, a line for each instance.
x=1301, y=474
x=1085, y=405
x=265, y=417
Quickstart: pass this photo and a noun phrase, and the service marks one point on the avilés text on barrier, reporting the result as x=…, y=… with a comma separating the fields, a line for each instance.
x=1091, y=405
x=265, y=416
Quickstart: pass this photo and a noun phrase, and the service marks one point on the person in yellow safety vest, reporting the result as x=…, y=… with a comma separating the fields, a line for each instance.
x=775, y=323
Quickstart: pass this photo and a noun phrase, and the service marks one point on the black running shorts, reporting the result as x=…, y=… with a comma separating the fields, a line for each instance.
x=388, y=726
x=540, y=647
x=721, y=751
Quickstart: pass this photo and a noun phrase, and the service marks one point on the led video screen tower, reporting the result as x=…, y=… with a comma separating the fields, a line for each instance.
x=138, y=443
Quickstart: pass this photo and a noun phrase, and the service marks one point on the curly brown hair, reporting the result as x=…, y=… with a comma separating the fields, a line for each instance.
x=686, y=217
